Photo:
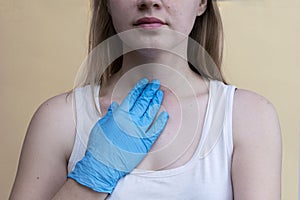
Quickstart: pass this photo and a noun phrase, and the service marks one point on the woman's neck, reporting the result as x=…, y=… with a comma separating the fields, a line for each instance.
x=154, y=63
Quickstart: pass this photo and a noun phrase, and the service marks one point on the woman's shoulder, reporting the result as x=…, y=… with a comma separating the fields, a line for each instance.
x=57, y=108
x=249, y=102
x=256, y=160
x=254, y=117
x=46, y=149
x=248, y=98
x=62, y=101
x=54, y=118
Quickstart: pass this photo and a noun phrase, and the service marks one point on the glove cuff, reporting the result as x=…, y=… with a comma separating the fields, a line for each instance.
x=95, y=175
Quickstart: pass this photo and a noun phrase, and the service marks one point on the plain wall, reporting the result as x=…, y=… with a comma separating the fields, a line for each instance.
x=44, y=42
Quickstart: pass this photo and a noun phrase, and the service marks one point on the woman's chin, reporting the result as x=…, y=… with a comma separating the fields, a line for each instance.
x=153, y=38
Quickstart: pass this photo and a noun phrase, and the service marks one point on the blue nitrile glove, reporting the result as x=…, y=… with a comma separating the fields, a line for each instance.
x=121, y=139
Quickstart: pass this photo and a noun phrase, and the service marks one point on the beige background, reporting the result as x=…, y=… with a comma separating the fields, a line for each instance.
x=44, y=42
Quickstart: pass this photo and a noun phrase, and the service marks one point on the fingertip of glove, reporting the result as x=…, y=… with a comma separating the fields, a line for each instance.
x=155, y=81
x=160, y=93
x=166, y=114
x=163, y=117
x=143, y=81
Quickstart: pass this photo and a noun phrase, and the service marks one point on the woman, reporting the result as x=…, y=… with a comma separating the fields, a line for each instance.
x=227, y=145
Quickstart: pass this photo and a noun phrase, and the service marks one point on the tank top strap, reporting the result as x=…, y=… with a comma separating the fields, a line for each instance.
x=218, y=119
x=85, y=118
x=228, y=118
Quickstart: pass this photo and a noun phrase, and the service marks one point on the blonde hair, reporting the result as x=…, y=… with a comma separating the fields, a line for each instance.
x=207, y=31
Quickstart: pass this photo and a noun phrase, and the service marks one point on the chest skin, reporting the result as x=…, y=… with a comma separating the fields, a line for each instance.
x=174, y=105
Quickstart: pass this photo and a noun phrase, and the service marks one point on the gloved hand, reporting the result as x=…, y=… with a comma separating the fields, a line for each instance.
x=121, y=139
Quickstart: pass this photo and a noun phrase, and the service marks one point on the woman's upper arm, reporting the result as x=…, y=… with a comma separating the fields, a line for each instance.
x=256, y=164
x=43, y=162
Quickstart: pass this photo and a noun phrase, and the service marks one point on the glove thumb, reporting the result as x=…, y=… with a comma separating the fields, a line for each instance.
x=112, y=108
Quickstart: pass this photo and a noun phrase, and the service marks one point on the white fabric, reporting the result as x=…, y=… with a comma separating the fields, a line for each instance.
x=206, y=176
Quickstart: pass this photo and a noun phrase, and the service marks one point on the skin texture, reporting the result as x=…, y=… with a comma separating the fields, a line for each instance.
x=256, y=164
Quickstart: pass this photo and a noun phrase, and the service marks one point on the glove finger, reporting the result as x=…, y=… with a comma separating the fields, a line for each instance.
x=134, y=94
x=142, y=103
x=152, y=110
x=156, y=129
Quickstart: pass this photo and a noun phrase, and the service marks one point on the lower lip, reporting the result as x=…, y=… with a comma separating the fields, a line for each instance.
x=152, y=25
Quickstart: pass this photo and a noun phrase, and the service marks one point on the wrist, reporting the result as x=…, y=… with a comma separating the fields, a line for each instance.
x=74, y=190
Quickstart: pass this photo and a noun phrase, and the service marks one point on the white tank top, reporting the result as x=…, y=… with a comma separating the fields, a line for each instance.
x=207, y=175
